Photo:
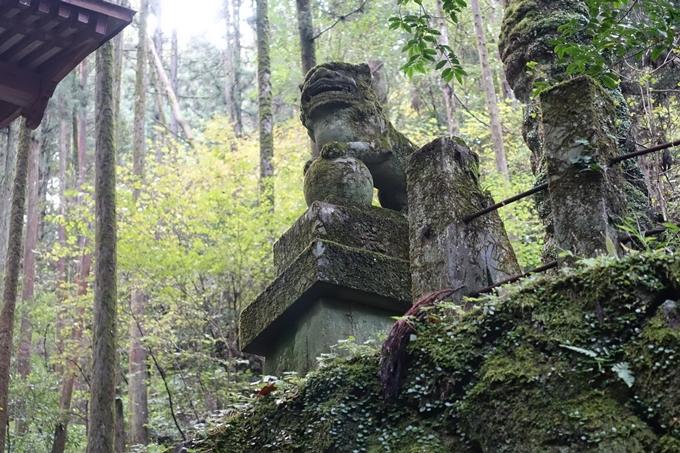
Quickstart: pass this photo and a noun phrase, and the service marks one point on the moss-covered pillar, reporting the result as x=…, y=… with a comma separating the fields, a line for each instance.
x=578, y=130
x=445, y=252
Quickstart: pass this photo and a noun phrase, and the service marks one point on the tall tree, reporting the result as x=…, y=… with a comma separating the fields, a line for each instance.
x=174, y=74
x=232, y=63
x=30, y=242
x=8, y=153
x=61, y=233
x=102, y=420
x=264, y=98
x=137, y=392
x=306, y=31
x=307, y=47
x=447, y=87
x=82, y=273
x=12, y=265
x=489, y=91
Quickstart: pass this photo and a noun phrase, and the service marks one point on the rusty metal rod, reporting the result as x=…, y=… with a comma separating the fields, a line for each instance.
x=652, y=232
x=553, y=264
x=642, y=152
x=544, y=186
x=539, y=188
x=543, y=268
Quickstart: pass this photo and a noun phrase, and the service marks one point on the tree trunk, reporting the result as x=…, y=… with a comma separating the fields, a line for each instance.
x=139, y=130
x=174, y=76
x=82, y=124
x=238, y=93
x=8, y=154
x=487, y=84
x=229, y=74
x=447, y=88
x=177, y=113
x=307, y=48
x=102, y=420
x=61, y=234
x=12, y=265
x=157, y=131
x=25, y=330
x=264, y=98
x=306, y=31
x=137, y=393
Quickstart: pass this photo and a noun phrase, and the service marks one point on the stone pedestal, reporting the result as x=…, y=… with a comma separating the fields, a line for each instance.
x=586, y=193
x=443, y=188
x=341, y=271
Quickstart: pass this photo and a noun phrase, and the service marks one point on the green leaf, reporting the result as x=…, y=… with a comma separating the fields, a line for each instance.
x=580, y=350
x=610, y=80
x=623, y=371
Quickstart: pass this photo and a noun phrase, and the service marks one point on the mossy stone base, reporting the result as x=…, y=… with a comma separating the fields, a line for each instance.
x=361, y=226
x=443, y=187
x=579, y=136
x=324, y=269
x=327, y=321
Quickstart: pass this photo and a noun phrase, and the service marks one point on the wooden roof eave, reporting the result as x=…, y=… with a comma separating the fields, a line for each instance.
x=55, y=36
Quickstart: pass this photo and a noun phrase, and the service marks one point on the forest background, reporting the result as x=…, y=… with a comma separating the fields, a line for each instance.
x=195, y=226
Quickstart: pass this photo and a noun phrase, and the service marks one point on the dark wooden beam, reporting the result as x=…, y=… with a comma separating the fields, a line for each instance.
x=18, y=86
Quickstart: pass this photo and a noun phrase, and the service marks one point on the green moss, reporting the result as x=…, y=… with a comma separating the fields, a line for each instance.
x=532, y=371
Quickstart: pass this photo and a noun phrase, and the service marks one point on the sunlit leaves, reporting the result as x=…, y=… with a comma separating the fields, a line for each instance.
x=423, y=48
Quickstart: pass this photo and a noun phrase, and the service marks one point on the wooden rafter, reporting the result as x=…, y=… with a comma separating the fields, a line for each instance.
x=41, y=41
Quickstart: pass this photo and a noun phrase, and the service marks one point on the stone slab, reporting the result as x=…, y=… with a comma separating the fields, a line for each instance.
x=361, y=226
x=324, y=269
x=443, y=188
x=312, y=334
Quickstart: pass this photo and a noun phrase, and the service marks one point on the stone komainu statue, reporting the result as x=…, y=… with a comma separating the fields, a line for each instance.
x=359, y=147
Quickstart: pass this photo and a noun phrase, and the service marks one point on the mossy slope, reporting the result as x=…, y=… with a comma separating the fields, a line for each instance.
x=541, y=369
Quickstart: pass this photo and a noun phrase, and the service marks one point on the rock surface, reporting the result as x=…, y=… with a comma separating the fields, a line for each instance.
x=586, y=361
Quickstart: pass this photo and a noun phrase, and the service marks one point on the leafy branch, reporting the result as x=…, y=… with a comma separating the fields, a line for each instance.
x=424, y=48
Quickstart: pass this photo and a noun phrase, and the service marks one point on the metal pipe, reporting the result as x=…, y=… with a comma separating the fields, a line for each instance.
x=543, y=268
x=642, y=152
x=539, y=188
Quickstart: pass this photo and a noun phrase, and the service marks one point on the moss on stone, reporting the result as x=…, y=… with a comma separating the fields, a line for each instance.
x=351, y=224
x=532, y=371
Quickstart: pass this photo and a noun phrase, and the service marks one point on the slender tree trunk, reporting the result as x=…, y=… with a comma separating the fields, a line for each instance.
x=306, y=31
x=487, y=84
x=137, y=393
x=177, y=113
x=12, y=265
x=8, y=154
x=82, y=123
x=102, y=420
x=61, y=234
x=264, y=97
x=174, y=75
x=121, y=437
x=30, y=242
x=139, y=130
x=307, y=48
x=447, y=88
x=229, y=72
x=238, y=88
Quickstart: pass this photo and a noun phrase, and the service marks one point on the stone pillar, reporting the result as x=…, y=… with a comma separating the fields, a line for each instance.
x=443, y=188
x=578, y=131
x=342, y=271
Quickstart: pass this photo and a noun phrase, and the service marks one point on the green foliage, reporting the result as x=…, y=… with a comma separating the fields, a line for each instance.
x=424, y=47
x=617, y=30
